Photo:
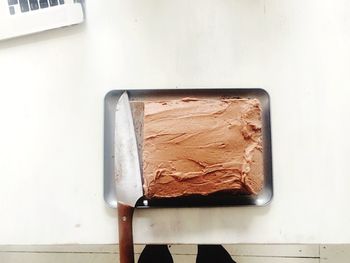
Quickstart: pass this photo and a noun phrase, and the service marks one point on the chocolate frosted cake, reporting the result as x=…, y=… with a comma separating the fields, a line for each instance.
x=202, y=146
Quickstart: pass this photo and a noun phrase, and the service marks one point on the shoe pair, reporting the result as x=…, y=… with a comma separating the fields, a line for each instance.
x=206, y=254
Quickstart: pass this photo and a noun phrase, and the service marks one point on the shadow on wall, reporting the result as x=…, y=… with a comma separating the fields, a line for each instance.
x=48, y=35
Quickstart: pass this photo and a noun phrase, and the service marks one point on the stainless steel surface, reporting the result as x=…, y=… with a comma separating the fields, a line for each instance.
x=111, y=99
x=128, y=182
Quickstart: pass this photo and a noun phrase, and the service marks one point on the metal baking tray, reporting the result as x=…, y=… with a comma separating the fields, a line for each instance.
x=218, y=199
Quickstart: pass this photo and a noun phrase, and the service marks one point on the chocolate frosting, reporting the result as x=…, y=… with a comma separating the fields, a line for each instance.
x=201, y=146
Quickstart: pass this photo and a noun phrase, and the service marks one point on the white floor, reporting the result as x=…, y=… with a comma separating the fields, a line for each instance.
x=181, y=253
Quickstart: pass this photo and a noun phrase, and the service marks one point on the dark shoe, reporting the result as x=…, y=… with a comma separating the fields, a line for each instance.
x=213, y=254
x=155, y=254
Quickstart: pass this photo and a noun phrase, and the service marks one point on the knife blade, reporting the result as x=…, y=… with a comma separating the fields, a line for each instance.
x=128, y=174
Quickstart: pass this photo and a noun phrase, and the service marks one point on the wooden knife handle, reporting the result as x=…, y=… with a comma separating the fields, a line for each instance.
x=126, y=244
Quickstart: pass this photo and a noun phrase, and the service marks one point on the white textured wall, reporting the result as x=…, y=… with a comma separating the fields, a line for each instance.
x=51, y=112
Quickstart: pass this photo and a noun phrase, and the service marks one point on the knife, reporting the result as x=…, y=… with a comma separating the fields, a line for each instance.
x=127, y=176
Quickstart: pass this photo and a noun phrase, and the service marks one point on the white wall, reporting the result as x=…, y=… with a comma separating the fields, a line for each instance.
x=51, y=112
